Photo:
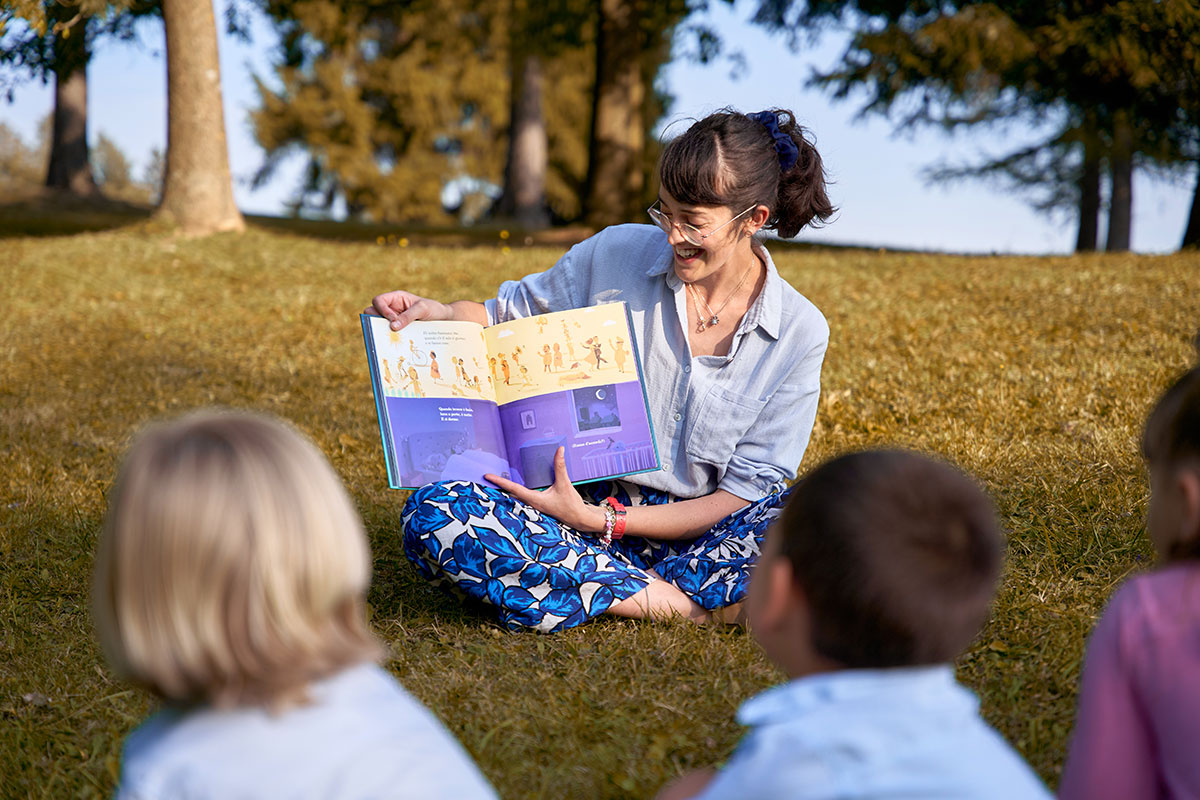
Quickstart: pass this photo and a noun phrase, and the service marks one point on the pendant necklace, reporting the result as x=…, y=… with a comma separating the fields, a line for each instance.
x=704, y=322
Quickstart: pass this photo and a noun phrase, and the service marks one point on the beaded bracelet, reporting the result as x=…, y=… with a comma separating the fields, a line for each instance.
x=610, y=520
x=618, y=509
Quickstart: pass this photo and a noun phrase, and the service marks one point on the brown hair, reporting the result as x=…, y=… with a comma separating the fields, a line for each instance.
x=1171, y=440
x=728, y=159
x=898, y=556
x=232, y=568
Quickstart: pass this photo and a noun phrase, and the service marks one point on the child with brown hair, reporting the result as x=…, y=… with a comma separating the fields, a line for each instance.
x=230, y=581
x=880, y=571
x=1139, y=702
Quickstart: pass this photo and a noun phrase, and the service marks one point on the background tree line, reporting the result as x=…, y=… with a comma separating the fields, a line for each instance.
x=554, y=102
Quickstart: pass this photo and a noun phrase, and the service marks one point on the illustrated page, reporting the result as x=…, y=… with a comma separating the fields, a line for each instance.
x=436, y=402
x=571, y=379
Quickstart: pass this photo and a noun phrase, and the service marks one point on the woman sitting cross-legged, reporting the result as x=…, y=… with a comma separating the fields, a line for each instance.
x=732, y=360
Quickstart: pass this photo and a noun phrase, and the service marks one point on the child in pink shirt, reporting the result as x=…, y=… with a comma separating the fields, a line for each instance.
x=1139, y=704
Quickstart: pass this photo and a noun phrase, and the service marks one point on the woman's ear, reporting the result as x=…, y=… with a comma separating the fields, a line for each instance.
x=756, y=220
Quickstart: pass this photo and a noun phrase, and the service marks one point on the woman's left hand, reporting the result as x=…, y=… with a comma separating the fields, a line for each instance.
x=560, y=500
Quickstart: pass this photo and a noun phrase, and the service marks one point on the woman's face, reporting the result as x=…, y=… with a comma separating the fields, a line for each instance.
x=722, y=247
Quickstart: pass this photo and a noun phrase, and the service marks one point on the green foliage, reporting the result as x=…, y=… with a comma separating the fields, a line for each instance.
x=1081, y=67
x=20, y=164
x=38, y=46
x=1033, y=373
x=389, y=101
x=114, y=174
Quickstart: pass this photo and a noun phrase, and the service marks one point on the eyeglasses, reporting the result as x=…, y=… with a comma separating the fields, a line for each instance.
x=691, y=234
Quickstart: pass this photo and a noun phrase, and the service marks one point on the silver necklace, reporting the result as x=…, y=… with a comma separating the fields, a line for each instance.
x=706, y=321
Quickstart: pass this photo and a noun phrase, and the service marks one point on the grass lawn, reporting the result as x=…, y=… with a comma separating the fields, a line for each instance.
x=1033, y=373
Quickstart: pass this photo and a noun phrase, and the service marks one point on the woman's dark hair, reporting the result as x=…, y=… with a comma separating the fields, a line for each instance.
x=1172, y=441
x=729, y=159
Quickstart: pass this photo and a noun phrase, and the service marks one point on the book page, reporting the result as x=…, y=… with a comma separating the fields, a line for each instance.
x=571, y=379
x=558, y=351
x=436, y=403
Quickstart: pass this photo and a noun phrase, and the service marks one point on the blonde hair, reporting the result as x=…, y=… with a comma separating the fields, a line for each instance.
x=233, y=567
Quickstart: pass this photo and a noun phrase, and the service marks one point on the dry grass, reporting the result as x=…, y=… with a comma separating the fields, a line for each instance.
x=1033, y=373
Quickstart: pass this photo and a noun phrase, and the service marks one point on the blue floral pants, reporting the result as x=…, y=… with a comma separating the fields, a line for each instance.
x=540, y=574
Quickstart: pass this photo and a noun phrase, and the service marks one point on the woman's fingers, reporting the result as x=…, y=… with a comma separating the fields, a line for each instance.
x=522, y=493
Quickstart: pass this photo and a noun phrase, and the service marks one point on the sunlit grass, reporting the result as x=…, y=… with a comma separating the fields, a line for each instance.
x=1033, y=373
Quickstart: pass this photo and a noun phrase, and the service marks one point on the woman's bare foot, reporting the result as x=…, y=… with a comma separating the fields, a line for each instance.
x=660, y=601
x=729, y=615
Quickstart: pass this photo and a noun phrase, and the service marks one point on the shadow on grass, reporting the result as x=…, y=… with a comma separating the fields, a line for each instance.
x=44, y=213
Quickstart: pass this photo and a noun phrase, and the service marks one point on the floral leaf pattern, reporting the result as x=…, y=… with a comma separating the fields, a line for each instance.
x=476, y=540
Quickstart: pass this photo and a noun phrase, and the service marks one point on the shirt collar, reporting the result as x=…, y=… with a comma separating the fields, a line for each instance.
x=767, y=311
x=915, y=685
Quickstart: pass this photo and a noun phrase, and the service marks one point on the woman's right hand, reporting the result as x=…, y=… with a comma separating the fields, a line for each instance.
x=400, y=308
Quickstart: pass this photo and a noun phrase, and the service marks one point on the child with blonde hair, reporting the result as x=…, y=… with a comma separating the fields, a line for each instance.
x=230, y=581
x=878, y=574
x=1139, y=701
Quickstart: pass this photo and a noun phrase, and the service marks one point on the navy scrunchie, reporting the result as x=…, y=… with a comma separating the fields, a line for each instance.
x=784, y=146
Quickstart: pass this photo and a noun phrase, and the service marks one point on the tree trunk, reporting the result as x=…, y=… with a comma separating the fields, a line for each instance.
x=198, y=191
x=1120, y=208
x=1191, y=236
x=524, y=198
x=615, y=154
x=69, y=168
x=1089, y=197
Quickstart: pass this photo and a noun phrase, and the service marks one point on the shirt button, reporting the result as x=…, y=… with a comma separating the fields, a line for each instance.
x=687, y=367
x=678, y=416
x=666, y=465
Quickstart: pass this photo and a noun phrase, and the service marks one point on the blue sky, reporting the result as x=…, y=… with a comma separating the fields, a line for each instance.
x=877, y=185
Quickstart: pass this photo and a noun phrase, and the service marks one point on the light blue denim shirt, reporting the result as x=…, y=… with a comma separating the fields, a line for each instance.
x=891, y=733
x=738, y=422
x=362, y=736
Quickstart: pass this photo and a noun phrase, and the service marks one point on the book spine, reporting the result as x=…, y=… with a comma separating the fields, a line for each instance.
x=385, y=428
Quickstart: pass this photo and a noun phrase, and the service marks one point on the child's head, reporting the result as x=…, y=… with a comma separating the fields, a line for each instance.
x=233, y=567
x=1171, y=445
x=893, y=558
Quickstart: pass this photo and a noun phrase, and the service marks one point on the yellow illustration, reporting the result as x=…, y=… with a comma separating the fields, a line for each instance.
x=566, y=350
x=421, y=353
x=521, y=358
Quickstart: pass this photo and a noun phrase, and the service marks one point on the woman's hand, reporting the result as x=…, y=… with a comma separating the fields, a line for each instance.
x=560, y=501
x=400, y=308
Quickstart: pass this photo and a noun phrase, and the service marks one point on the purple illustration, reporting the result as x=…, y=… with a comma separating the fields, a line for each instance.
x=443, y=438
x=603, y=428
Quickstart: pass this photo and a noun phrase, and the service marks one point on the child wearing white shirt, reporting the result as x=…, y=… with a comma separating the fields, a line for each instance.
x=230, y=581
x=879, y=572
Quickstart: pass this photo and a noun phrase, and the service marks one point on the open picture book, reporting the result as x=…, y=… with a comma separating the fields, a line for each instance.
x=456, y=400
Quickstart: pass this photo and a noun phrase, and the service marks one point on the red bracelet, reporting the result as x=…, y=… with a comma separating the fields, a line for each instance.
x=619, y=511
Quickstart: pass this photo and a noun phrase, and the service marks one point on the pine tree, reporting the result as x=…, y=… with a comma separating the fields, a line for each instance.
x=1104, y=69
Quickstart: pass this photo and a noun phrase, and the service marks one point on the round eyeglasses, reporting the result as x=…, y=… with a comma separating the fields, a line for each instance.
x=691, y=234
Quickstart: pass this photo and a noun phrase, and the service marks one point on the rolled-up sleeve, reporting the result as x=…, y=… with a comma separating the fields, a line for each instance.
x=770, y=452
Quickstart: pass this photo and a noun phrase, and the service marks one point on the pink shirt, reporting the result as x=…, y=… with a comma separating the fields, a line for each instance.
x=1138, y=730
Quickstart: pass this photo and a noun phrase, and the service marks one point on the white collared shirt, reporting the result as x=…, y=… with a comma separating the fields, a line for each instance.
x=739, y=422
x=887, y=733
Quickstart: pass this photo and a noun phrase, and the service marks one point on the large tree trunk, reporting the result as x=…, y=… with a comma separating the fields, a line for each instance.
x=1120, y=207
x=615, y=156
x=1191, y=236
x=1089, y=197
x=69, y=168
x=198, y=191
x=524, y=198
